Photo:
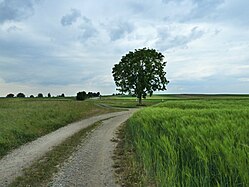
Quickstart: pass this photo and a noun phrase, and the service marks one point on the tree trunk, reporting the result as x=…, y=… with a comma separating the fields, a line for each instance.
x=140, y=99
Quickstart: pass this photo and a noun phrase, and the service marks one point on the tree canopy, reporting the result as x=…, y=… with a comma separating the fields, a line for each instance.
x=20, y=95
x=83, y=95
x=40, y=95
x=10, y=95
x=140, y=72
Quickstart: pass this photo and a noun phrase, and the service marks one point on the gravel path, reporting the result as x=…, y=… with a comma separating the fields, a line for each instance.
x=12, y=164
x=91, y=165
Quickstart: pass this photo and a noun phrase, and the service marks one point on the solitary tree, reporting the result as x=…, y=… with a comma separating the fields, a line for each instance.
x=140, y=73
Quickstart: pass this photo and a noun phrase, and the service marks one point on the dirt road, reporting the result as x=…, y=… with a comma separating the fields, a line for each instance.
x=11, y=165
x=92, y=164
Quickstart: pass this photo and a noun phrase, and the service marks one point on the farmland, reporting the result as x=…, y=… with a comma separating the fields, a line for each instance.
x=176, y=140
x=23, y=120
x=131, y=102
x=197, y=141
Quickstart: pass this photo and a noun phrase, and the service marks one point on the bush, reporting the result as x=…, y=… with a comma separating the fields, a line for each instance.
x=81, y=96
x=20, y=95
x=10, y=95
x=40, y=95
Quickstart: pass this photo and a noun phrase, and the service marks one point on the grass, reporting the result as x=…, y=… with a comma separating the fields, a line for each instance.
x=24, y=120
x=132, y=102
x=201, y=142
x=124, y=101
x=127, y=171
x=41, y=172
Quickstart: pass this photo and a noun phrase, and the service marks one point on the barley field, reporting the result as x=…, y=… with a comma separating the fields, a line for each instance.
x=202, y=142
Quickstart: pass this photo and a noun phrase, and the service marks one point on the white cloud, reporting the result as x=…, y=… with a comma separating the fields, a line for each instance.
x=70, y=18
x=16, y=10
x=120, y=29
x=179, y=36
x=88, y=30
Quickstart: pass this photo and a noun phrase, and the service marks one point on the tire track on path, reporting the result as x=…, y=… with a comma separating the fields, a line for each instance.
x=92, y=164
x=11, y=165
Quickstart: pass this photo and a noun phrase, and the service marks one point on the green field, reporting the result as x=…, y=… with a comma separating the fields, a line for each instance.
x=178, y=140
x=132, y=102
x=23, y=120
x=197, y=141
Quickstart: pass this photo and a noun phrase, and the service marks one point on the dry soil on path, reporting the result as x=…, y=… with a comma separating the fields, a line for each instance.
x=91, y=165
x=11, y=165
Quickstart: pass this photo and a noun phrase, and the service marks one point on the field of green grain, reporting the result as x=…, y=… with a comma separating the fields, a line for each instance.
x=23, y=120
x=201, y=142
x=124, y=101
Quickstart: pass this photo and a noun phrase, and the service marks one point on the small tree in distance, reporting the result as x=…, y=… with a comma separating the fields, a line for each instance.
x=81, y=96
x=20, y=95
x=40, y=95
x=10, y=95
x=49, y=95
x=140, y=73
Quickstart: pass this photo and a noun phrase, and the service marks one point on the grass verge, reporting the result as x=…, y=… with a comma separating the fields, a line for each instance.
x=41, y=172
x=127, y=172
x=24, y=120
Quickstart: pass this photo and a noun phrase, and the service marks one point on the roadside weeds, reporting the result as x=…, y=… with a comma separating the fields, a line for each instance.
x=127, y=172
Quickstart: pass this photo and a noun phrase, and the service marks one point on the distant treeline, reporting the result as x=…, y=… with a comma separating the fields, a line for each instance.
x=40, y=95
x=83, y=95
x=80, y=95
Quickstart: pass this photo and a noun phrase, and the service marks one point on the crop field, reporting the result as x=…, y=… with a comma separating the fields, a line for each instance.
x=201, y=142
x=131, y=102
x=23, y=120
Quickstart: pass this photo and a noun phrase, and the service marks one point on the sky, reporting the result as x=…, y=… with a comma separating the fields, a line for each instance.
x=63, y=46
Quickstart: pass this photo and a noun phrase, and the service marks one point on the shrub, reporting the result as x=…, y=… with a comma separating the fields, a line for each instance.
x=81, y=96
x=20, y=95
x=10, y=95
x=40, y=95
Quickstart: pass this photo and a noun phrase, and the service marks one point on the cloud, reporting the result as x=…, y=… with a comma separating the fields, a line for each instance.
x=13, y=28
x=16, y=10
x=167, y=39
x=120, y=29
x=205, y=8
x=70, y=18
x=193, y=10
x=205, y=43
x=244, y=79
x=213, y=11
x=234, y=13
x=87, y=29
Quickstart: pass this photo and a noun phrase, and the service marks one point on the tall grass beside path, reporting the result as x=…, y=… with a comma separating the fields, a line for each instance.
x=24, y=120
